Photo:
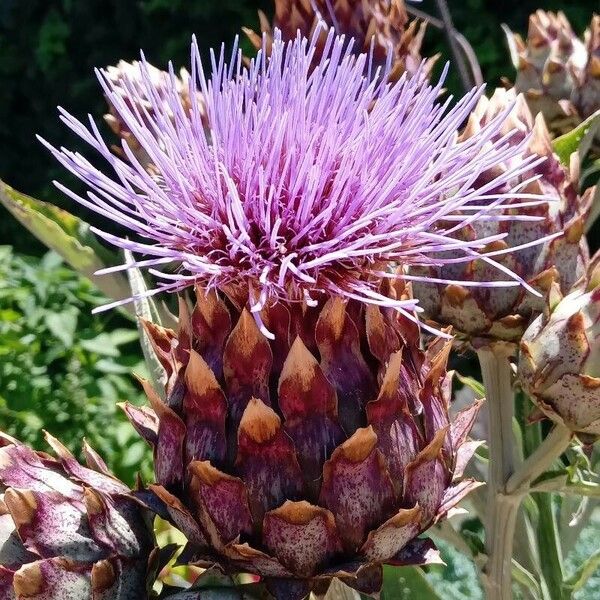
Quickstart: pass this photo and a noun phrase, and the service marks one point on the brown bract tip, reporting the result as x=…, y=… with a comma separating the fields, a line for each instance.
x=259, y=422
x=300, y=364
x=456, y=295
x=300, y=513
x=22, y=506
x=208, y=474
x=199, y=378
x=359, y=446
x=103, y=576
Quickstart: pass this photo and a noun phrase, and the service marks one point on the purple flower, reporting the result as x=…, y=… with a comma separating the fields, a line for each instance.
x=310, y=180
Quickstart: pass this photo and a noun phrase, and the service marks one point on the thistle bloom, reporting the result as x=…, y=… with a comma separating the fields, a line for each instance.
x=311, y=179
x=324, y=451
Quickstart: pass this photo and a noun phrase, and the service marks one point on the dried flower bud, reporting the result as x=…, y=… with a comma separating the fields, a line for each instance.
x=504, y=313
x=382, y=24
x=558, y=73
x=128, y=82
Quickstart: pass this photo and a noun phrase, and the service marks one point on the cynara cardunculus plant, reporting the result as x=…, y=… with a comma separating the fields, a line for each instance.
x=302, y=432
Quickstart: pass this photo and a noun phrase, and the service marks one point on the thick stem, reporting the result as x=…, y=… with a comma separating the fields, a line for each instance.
x=499, y=566
x=500, y=526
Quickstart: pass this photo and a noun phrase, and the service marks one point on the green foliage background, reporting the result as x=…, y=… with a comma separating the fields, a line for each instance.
x=63, y=369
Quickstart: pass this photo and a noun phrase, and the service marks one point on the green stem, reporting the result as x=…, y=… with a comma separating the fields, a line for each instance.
x=500, y=526
x=544, y=455
x=540, y=455
x=549, y=545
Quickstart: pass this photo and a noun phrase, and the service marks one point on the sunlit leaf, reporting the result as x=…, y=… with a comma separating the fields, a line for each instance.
x=406, y=583
x=473, y=384
x=577, y=140
x=67, y=235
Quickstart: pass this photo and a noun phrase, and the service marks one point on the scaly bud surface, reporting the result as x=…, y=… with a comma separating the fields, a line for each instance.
x=503, y=314
x=322, y=453
x=69, y=531
x=560, y=360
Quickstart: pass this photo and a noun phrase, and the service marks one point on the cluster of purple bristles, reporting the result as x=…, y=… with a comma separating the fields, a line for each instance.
x=309, y=179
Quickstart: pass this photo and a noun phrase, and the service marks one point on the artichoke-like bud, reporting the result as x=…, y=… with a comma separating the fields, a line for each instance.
x=68, y=531
x=559, y=363
x=587, y=95
x=383, y=23
x=321, y=453
x=554, y=70
x=143, y=87
x=486, y=311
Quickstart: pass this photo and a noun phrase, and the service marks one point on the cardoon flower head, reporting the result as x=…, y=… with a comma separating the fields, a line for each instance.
x=69, y=531
x=328, y=449
x=310, y=181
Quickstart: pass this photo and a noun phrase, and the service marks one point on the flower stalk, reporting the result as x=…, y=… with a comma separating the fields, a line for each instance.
x=540, y=460
x=507, y=482
x=503, y=508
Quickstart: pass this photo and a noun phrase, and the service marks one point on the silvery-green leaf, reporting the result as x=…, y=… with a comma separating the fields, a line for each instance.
x=582, y=574
x=68, y=236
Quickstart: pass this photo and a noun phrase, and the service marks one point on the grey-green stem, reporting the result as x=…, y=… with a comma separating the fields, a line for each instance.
x=542, y=458
x=500, y=526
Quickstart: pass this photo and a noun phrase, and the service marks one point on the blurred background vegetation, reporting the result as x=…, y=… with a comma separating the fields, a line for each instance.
x=61, y=368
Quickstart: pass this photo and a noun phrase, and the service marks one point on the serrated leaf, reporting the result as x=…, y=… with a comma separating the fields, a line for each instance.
x=63, y=324
x=577, y=140
x=68, y=236
x=406, y=583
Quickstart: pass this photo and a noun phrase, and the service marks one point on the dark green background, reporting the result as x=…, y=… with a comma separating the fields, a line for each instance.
x=48, y=49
